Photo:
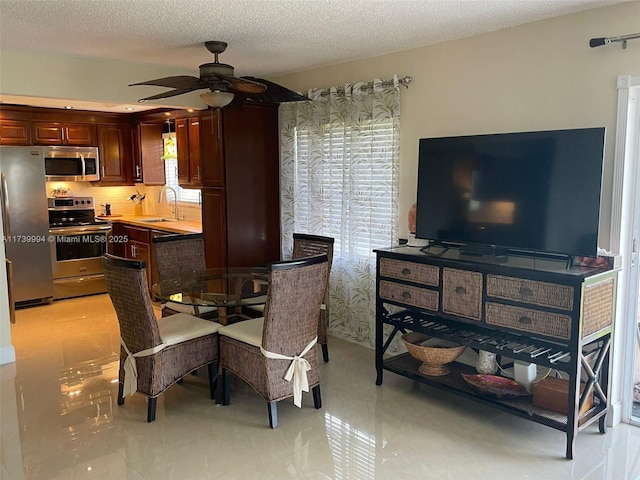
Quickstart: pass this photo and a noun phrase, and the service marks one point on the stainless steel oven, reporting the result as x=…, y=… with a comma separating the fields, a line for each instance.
x=78, y=242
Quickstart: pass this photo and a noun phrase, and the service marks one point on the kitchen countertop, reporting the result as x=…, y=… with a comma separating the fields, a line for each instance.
x=173, y=226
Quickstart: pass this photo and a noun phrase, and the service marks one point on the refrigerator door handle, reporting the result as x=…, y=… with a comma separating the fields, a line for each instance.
x=12, y=306
x=5, y=205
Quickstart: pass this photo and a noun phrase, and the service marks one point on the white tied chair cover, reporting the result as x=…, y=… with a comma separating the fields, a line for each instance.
x=297, y=370
x=130, y=368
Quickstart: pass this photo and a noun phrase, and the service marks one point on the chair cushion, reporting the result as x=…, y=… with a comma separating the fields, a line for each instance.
x=182, y=327
x=181, y=307
x=247, y=331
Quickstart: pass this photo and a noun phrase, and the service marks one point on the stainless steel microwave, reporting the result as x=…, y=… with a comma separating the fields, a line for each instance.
x=71, y=164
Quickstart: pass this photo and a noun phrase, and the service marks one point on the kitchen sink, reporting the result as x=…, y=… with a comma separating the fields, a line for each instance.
x=158, y=219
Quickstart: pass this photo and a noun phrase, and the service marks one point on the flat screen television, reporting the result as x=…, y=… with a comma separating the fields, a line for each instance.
x=528, y=191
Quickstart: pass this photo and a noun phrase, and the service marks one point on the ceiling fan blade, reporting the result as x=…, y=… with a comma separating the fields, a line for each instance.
x=170, y=93
x=275, y=93
x=242, y=84
x=178, y=81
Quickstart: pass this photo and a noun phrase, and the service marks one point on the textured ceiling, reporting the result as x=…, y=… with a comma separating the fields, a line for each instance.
x=266, y=38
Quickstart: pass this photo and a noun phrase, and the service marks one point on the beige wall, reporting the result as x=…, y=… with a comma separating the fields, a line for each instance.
x=538, y=76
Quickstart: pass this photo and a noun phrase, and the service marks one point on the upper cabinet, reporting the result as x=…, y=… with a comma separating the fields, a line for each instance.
x=148, y=165
x=15, y=132
x=15, y=126
x=211, y=159
x=115, y=149
x=56, y=133
x=189, y=152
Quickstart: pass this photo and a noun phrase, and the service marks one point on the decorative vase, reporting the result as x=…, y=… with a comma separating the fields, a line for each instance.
x=412, y=218
x=487, y=363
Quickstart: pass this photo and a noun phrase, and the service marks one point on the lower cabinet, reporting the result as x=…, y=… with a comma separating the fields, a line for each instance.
x=133, y=243
x=533, y=312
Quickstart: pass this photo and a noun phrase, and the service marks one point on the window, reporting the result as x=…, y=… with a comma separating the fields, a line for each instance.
x=189, y=195
x=339, y=178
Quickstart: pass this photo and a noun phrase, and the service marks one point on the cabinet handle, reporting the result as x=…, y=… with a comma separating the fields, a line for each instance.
x=137, y=171
x=525, y=320
x=526, y=292
x=460, y=290
x=102, y=170
x=133, y=251
x=406, y=271
x=198, y=174
x=406, y=295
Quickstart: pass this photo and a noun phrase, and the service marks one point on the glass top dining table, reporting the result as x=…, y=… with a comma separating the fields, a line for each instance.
x=229, y=289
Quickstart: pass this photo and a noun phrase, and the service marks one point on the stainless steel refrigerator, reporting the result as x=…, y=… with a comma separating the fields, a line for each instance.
x=25, y=220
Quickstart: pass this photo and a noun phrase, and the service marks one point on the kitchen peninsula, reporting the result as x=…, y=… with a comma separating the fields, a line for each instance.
x=132, y=237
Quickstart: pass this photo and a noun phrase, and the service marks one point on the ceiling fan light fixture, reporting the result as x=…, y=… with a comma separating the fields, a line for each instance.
x=217, y=99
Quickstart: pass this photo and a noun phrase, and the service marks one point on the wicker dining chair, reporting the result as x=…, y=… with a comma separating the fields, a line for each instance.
x=305, y=245
x=177, y=255
x=264, y=352
x=155, y=353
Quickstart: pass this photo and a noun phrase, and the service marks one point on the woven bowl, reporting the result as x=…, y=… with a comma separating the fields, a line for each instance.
x=434, y=357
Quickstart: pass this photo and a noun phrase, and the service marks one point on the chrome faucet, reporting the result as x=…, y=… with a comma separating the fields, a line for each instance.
x=175, y=199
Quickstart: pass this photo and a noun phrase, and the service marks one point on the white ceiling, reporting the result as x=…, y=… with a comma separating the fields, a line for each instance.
x=266, y=38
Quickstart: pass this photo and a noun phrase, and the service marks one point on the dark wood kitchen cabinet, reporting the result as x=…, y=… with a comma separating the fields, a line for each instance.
x=115, y=148
x=15, y=132
x=15, y=126
x=133, y=243
x=58, y=133
x=189, y=152
x=241, y=191
x=148, y=165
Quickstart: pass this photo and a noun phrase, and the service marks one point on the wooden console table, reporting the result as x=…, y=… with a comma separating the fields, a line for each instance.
x=535, y=310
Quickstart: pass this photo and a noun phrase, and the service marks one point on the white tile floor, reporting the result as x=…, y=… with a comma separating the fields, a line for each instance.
x=60, y=420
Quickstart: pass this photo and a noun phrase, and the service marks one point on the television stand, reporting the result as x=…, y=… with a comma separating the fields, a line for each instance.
x=486, y=251
x=531, y=311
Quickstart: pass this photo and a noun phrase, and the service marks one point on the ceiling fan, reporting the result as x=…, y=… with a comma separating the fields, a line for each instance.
x=224, y=88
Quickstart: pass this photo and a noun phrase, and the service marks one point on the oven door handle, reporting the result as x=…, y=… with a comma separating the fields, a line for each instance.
x=80, y=230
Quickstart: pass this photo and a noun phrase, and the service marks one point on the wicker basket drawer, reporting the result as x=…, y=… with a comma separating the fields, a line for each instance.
x=530, y=291
x=598, y=306
x=413, y=272
x=413, y=296
x=462, y=293
x=526, y=319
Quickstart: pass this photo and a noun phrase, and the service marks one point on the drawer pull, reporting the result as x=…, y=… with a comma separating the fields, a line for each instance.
x=526, y=292
x=460, y=290
x=525, y=320
x=406, y=295
x=406, y=271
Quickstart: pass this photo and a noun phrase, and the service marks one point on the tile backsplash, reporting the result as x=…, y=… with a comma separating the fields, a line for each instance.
x=118, y=197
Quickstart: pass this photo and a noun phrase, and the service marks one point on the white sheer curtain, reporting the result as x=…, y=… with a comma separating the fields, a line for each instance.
x=339, y=178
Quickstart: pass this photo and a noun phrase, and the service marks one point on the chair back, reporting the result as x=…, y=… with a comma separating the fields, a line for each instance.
x=307, y=245
x=296, y=291
x=179, y=254
x=129, y=291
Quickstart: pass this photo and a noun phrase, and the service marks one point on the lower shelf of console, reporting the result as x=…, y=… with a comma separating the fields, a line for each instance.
x=407, y=366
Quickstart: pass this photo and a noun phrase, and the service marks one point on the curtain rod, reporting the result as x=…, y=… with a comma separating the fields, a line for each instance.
x=404, y=81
